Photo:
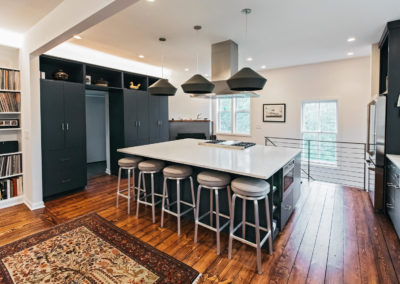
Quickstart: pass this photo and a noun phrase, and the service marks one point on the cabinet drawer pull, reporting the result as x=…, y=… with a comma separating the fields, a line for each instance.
x=389, y=205
x=287, y=207
x=393, y=185
x=66, y=180
x=62, y=126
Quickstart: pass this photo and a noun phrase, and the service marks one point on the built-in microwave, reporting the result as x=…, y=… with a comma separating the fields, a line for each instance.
x=288, y=176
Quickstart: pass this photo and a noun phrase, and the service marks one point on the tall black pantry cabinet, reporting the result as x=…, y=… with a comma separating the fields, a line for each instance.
x=63, y=136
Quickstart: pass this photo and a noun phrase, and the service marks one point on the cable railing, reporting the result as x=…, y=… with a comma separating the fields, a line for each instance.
x=329, y=161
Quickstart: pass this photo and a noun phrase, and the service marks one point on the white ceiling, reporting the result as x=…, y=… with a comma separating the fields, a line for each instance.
x=280, y=33
x=20, y=15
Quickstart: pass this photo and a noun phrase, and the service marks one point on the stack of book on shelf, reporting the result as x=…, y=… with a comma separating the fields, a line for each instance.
x=10, y=102
x=10, y=165
x=9, y=79
x=10, y=188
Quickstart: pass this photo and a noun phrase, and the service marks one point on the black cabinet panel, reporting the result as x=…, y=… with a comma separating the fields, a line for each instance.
x=130, y=116
x=75, y=118
x=52, y=114
x=158, y=119
x=392, y=196
x=142, y=111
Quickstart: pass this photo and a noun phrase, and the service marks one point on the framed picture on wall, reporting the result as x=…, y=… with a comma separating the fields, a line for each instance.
x=274, y=112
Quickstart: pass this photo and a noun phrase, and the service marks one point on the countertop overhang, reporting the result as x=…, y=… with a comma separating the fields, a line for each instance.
x=257, y=161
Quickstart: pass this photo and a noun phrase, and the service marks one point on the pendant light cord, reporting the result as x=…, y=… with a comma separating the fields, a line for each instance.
x=162, y=60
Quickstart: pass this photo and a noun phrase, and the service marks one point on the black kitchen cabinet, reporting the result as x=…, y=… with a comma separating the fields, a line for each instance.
x=393, y=194
x=158, y=119
x=63, y=136
x=136, y=108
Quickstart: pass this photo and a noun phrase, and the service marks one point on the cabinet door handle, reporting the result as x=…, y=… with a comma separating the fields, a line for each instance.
x=389, y=205
x=67, y=126
x=62, y=126
x=139, y=123
x=65, y=159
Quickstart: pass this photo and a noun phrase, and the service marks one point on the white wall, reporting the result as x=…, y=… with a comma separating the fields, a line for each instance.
x=9, y=57
x=347, y=81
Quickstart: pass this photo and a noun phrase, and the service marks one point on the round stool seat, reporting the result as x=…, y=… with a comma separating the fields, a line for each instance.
x=251, y=187
x=151, y=166
x=213, y=179
x=177, y=171
x=130, y=162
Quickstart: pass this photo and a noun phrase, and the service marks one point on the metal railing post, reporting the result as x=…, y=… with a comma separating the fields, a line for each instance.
x=365, y=166
x=309, y=158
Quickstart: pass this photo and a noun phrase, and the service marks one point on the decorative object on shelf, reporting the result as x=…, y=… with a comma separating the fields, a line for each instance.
x=246, y=79
x=9, y=123
x=60, y=75
x=133, y=86
x=42, y=75
x=88, y=80
x=162, y=87
x=101, y=82
x=197, y=84
x=274, y=112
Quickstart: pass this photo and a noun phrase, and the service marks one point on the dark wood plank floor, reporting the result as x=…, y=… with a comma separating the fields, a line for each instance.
x=334, y=237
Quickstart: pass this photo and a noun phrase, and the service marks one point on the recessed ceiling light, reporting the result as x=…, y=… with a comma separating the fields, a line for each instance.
x=150, y=0
x=351, y=39
x=206, y=75
x=77, y=37
x=263, y=67
x=186, y=69
x=350, y=53
x=249, y=59
x=141, y=56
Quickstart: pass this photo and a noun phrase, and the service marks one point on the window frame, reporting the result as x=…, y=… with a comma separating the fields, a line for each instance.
x=233, y=118
x=318, y=161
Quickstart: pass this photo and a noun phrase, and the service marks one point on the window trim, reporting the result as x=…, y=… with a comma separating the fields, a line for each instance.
x=233, y=119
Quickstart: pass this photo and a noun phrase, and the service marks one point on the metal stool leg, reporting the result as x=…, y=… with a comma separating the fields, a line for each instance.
x=129, y=191
x=196, y=223
x=211, y=208
x=217, y=221
x=133, y=183
x=243, y=218
x=119, y=185
x=269, y=228
x=163, y=202
x=138, y=194
x=258, y=248
x=178, y=204
x=153, y=206
x=193, y=199
x=231, y=226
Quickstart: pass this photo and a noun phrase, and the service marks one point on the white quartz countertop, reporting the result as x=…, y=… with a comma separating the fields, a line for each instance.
x=257, y=161
x=395, y=159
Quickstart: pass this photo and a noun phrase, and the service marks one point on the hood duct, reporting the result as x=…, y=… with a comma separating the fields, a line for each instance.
x=224, y=64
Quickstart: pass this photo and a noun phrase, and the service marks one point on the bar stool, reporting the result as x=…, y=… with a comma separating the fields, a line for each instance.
x=129, y=164
x=254, y=190
x=214, y=181
x=150, y=167
x=178, y=173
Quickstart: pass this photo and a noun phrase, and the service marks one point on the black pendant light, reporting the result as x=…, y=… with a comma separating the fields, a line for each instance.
x=197, y=84
x=162, y=87
x=246, y=79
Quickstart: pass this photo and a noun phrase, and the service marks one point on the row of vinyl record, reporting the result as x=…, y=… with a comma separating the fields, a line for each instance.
x=10, y=165
x=10, y=188
x=10, y=80
x=10, y=102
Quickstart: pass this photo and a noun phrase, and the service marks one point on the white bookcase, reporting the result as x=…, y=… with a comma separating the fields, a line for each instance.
x=10, y=95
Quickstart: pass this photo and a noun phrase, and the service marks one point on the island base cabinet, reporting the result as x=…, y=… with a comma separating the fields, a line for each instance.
x=392, y=199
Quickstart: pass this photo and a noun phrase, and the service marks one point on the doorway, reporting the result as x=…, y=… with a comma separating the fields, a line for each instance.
x=97, y=133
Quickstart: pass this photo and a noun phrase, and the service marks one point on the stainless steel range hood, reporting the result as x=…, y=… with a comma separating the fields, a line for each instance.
x=224, y=64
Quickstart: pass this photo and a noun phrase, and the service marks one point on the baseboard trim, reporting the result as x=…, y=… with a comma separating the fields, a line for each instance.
x=34, y=206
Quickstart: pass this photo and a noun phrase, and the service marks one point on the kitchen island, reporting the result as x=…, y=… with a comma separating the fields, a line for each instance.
x=279, y=166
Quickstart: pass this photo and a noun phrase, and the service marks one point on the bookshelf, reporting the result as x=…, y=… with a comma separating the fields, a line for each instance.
x=11, y=171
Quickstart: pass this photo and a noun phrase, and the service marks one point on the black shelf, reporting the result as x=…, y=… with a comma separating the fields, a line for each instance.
x=136, y=79
x=113, y=77
x=49, y=65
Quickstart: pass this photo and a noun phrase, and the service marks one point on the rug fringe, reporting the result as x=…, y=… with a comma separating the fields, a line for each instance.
x=197, y=278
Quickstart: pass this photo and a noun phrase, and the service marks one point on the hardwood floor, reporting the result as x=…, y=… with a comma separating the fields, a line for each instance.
x=334, y=237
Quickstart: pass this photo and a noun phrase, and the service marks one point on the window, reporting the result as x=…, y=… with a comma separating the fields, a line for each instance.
x=233, y=116
x=319, y=125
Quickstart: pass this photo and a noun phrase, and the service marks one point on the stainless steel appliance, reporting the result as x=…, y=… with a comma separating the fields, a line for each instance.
x=230, y=144
x=376, y=150
x=288, y=176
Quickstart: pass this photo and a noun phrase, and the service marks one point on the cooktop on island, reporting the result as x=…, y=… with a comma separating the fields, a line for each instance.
x=227, y=144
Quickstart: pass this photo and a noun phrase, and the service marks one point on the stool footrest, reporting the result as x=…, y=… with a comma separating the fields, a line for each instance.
x=176, y=214
x=232, y=234
x=212, y=228
x=208, y=213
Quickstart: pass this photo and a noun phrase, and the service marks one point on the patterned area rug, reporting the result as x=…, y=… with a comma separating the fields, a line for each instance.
x=89, y=250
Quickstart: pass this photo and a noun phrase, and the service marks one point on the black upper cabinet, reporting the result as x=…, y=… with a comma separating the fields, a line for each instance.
x=113, y=77
x=136, y=108
x=135, y=79
x=49, y=65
